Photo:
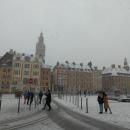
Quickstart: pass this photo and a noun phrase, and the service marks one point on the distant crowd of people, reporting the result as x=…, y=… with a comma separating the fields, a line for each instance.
x=29, y=97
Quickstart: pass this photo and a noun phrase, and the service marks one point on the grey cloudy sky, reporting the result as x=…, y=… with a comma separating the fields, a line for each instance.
x=74, y=30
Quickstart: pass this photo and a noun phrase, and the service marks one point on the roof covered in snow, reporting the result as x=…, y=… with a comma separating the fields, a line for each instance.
x=115, y=71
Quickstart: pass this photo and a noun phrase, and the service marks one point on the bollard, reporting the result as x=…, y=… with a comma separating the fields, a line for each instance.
x=81, y=103
x=63, y=96
x=70, y=97
x=0, y=104
x=77, y=100
x=86, y=105
x=0, y=100
x=29, y=104
x=73, y=98
x=66, y=96
x=18, y=104
x=35, y=102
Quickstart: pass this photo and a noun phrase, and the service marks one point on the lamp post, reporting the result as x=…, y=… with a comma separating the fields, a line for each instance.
x=57, y=86
x=75, y=85
x=67, y=77
x=81, y=64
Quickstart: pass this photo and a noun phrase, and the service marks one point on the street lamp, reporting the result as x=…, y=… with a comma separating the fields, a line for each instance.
x=75, y=85
x=67, y=77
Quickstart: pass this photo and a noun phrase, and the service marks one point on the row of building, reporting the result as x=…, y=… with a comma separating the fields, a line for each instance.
x=22, y=71
x=18, y=69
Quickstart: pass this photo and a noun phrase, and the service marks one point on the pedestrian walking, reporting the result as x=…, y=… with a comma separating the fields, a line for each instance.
x=25, y=96
x=100, y=102
x=28, y=97
x=85, y=93
x=48, y=100
x=106, y=104
x=40, y=96
x=31, y=96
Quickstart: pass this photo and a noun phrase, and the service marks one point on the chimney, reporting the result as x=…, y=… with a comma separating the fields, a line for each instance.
x=104, y=68
x=11, y=51
x=113, y=66
x=31, y=55
x=119, y=66
x=96, y=68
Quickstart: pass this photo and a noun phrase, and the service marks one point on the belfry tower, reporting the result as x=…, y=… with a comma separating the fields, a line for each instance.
x=126, y=66
x=40, y=48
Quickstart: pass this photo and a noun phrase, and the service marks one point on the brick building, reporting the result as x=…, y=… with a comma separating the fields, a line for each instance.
x=76, y=77
x=45, y=78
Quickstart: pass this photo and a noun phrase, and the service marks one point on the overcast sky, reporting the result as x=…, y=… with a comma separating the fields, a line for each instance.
x=74, y=30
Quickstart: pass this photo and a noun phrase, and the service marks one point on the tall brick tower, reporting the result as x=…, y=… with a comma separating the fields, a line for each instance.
x=40, y=48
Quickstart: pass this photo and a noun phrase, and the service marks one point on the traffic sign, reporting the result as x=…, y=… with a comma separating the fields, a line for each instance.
x=30, y=81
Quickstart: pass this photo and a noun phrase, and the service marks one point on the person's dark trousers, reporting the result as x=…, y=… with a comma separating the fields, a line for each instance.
x=31, y=100
x=48, y=104
x=27, y=100
x=101, y=108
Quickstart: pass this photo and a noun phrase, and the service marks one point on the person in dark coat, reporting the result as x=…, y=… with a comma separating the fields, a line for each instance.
x=100, y=102
x=31, y=96
x=25, y=96
x=28, y=97
x=40, y=96
x=48, y=100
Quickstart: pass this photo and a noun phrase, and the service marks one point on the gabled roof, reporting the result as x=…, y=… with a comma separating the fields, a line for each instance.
x=6, y=59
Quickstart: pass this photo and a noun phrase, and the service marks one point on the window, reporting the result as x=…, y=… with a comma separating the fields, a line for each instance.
x=18, y=58
x=46, y=84
x=16, y=72
x=35, y=73
x=26, y=65
x=25, y=80
x=17, y=64
x=26, y=72
x=36, y=66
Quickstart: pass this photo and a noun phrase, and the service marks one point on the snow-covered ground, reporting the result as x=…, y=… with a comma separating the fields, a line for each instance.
x=120, y=111
x=9, y=108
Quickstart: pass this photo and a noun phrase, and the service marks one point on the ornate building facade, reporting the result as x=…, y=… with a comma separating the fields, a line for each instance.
x=24, y=68
x=17, y=69
x=6, y=71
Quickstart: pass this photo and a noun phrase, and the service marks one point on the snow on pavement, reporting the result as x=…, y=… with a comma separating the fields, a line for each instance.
x=9, y=108
x=120, y=110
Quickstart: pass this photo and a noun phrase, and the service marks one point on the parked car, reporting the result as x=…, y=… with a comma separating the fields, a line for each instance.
x=124, y=98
